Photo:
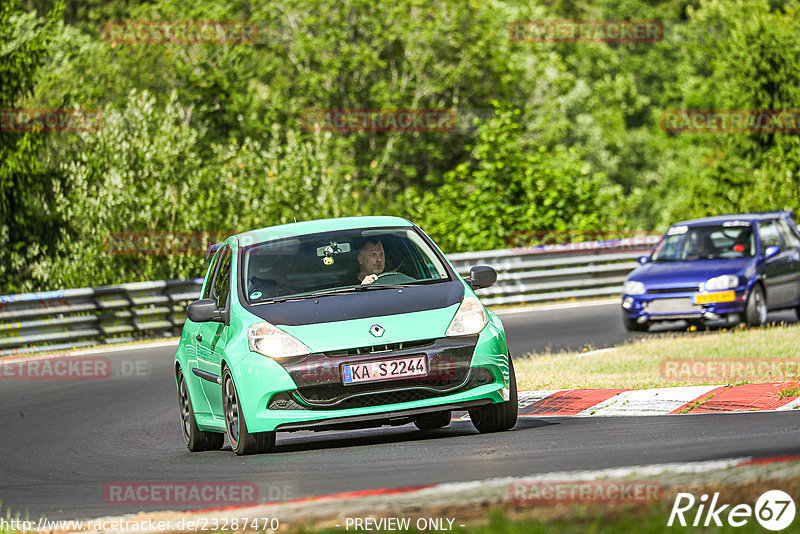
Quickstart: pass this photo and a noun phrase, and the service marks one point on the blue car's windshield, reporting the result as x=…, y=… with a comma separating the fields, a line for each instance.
x=724, y=241
x=336, y=262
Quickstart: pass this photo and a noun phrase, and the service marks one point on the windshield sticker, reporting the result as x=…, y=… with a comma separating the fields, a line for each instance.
x=678, y=230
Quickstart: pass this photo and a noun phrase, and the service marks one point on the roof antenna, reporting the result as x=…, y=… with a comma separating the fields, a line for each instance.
x=295, y=218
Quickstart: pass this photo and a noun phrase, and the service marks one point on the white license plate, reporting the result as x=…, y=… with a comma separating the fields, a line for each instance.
x=353, y=373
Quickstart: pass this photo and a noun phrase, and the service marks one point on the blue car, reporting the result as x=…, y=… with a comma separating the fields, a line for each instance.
x=726, y=270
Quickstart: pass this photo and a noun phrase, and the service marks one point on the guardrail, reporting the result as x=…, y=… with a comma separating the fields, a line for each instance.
x=554, y=272
x=58, y=320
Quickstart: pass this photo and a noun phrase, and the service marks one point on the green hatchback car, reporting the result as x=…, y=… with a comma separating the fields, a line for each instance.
x=338, y=324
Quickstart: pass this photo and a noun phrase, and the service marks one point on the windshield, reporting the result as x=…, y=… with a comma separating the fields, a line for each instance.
x=338, y=262
x=684, y=243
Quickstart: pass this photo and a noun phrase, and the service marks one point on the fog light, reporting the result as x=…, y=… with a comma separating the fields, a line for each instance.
x=642, y=319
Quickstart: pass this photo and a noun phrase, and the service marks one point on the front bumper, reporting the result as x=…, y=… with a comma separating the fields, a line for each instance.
x=674, y=306
x=466, y=372
x=262, y=419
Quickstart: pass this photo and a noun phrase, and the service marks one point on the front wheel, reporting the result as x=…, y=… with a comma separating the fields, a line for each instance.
x=195, y=439
x=631, y=325
x=756, y=308
x=242, y=441
x=499, y=416
x=434, y=420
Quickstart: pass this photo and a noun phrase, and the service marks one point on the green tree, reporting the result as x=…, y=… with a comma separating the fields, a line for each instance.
x=511, y=191
x=28, y=226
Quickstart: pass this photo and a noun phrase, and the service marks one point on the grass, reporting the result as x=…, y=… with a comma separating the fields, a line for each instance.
x=789, y=392
x=643, y=363
x=644, y=520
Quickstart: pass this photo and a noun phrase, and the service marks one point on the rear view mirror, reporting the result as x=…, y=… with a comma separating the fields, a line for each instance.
x=203, y=311
x=481, y=276
x=771, y=251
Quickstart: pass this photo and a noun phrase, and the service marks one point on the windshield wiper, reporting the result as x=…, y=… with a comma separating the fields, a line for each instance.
x=285, y=299
x=365, y=287
x=329, y=292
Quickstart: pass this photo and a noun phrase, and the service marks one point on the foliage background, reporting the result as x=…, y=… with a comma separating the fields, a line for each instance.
x=209, y=137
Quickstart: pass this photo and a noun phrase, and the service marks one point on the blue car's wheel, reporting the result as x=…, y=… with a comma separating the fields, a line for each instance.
x=631, y=325
x=756, y=308
x=241, y=440
x=196, y=440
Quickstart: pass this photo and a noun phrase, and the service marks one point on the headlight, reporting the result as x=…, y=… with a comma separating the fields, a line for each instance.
x=271, y=341
x=726, y=281
x=632, y=287
x=470, y=318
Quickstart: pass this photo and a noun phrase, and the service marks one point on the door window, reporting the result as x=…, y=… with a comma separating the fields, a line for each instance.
x=222, y=282
x=770, y=236
x=789, y=235
x=211, y=272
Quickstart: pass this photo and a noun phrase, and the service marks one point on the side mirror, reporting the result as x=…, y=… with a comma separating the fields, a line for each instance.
x=643, y=259
x=771, y=251
x=481, y=276
x=203, y=311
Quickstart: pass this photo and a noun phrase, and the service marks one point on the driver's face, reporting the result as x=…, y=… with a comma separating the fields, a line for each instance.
x=372, y=259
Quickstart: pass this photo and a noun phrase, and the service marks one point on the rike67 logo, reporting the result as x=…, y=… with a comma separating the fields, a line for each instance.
x=774, y=510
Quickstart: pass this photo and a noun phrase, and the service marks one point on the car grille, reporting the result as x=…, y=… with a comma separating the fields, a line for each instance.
x=372, y=349
x=478, y=376
x=318, y=376
x=661, y=290
x=675, y=305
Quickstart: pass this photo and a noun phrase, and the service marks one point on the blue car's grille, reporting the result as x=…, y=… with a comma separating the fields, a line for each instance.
x=689, y=289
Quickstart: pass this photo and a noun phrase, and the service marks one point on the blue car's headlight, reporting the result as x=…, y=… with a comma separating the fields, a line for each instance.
x=726, y=281
x=633, y=287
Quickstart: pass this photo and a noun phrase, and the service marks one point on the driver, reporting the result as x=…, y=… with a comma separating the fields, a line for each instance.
x=372, y=261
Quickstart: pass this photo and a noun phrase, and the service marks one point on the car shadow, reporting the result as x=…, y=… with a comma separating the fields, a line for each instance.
x=310, y=441
x=774, y=318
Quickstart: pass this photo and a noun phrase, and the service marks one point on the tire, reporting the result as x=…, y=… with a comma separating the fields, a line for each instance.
x=241, y=440
x=195, y=439
x=756, y=309
x=632, y=326
x=434, y=420
x=698, y=325
x=499, y=416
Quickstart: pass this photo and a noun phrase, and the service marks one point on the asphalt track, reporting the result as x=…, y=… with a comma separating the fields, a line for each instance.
x=64, y=441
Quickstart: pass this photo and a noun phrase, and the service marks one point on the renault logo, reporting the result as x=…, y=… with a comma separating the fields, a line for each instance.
x=376, y=330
